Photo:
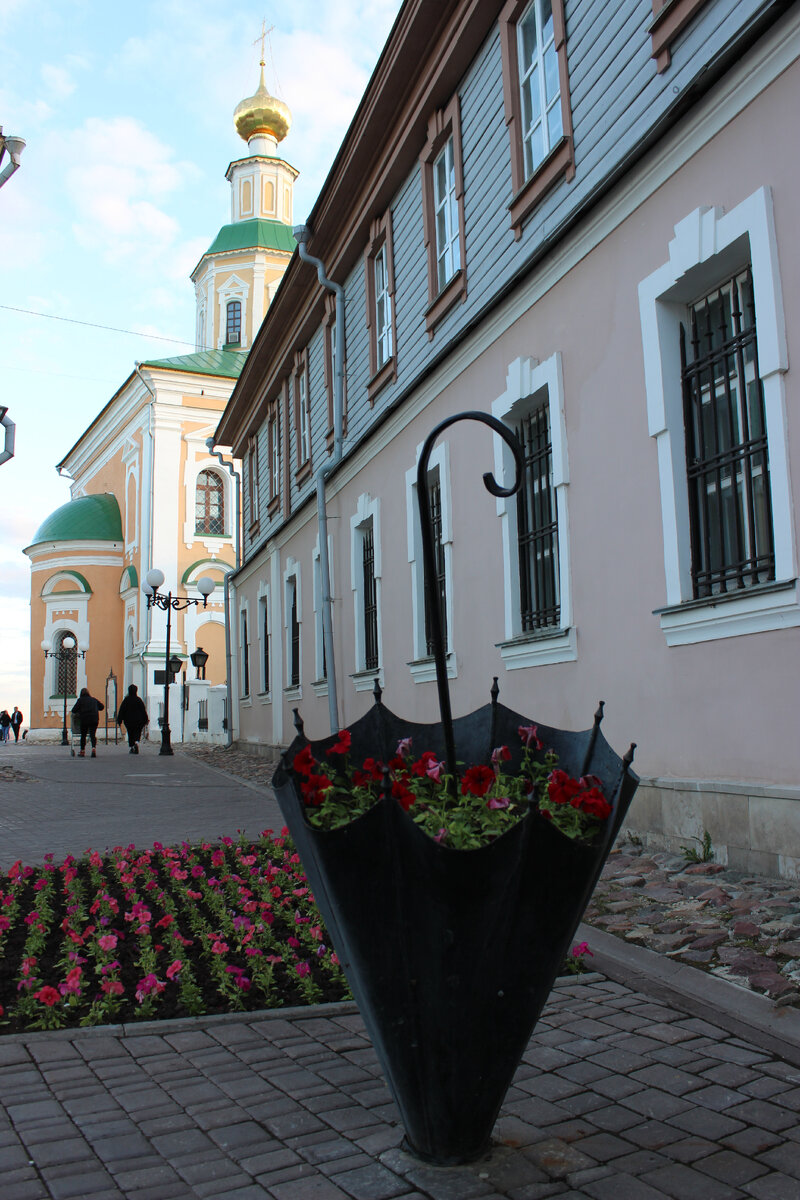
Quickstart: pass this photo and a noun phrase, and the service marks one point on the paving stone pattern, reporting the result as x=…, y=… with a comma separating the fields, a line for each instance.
x=617, y=1098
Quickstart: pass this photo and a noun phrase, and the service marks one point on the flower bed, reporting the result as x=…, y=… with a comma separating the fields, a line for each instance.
x=178, y=931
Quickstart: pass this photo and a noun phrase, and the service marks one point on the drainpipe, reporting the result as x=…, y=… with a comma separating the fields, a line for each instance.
x=301, y=234
x=238, y=543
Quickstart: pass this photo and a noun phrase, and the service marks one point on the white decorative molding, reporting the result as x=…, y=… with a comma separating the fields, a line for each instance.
x=709, y=246
x=528, y=384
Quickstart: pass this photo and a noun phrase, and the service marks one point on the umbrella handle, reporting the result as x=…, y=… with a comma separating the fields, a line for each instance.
x=429, y=559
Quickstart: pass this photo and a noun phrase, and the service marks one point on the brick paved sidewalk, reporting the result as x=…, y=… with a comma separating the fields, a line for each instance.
x=618, y=1098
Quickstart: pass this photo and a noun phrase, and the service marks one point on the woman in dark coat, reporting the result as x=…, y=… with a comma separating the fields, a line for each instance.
x=133, y=715
x=88, y=711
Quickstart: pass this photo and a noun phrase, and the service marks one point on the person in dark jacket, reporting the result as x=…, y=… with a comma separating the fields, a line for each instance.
x=5, y=725
x=88, y=711
x=133, y=715
x=16, y=722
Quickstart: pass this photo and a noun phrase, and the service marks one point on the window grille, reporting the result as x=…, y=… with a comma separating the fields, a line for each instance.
x=383, y=309
x=245, y=658
x=727, y=463
x=202, y=714
x=294, y=638
x=542, y=123
x=233, y=323
x=537, y=526
x=370, y=598
x=67, y=665
x=448, y=253
x=435, y=501
x=265, y=664
x=210, y=504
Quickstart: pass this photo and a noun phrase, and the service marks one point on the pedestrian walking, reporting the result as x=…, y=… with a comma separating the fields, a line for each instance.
x=16, y=722
x=88, y=710
x=133, y=715
x=5, y=725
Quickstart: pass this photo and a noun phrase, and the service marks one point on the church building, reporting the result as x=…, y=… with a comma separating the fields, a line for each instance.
x=146, y=490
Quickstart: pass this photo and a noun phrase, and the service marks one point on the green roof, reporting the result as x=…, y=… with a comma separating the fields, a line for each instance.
x=89, y=518
x=205, y=362
x=249, y=235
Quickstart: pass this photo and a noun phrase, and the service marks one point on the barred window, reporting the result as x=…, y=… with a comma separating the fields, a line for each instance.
x=370, y=598
x=66, y=664
x=294, y=636
x=440, y=585
x=210, y=504
x=727, y=461
x=537, y=525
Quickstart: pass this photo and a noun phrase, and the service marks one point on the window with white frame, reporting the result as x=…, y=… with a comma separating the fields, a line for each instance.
x=540, y=91
x=302, y=413
x=380, y=305
x=210, y=504
x=717, y=411
x=244, y=647
x=265, y=640
x=442, y=179
x=252, y=478
x=534, y=521
x=365, y=580
x=233, y=323
x=274, y=439
x=292, y=619
x=422, y=667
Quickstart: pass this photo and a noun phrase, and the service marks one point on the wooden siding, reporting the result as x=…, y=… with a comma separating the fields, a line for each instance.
x=618, y=99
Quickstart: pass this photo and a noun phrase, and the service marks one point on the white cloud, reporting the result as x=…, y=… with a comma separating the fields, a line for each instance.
x=59, y=83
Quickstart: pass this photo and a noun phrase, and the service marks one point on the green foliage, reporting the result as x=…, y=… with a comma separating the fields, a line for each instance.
x=704, y=854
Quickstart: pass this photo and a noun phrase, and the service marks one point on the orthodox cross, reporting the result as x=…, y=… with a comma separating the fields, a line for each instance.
x=263, y=37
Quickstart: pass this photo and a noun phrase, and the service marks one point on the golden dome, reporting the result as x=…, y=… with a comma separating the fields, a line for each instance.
x=261, y=114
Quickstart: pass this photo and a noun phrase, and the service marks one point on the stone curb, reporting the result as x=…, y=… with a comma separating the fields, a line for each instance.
x=738, y=1010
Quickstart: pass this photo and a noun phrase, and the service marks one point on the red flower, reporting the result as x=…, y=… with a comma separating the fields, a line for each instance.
x=48, y=996
x=529, y=735
x=402, y=795
x=342, y=746
x=304, y=761
x=561, y=789
x=314, y=789
x=426, y=760
x=595, y=804
x=477, y=781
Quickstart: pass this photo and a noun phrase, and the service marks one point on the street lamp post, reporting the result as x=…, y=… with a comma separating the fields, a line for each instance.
x=14, y=146
x=68, y=652
x=153, y=581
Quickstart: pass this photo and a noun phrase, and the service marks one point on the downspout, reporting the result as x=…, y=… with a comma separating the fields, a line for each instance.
x=149, y=562
x=301, y=235
x=8, y=450
x=238, y=553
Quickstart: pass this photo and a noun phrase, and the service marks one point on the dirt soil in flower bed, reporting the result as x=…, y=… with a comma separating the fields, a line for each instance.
x=168, y=932
x=744, y=928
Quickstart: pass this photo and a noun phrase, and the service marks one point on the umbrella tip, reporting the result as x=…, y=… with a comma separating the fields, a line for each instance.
x=298, y=721
x=377, y=691
x=598, y=716
x=494, y=691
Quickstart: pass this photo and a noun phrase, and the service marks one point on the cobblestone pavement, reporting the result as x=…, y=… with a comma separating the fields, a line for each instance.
x=618, y=1097
x=744, y=928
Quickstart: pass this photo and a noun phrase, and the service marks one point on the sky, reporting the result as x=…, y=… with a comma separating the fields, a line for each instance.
x=127, y=112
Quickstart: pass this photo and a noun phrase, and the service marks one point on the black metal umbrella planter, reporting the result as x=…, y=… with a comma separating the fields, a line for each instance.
x=451, y=953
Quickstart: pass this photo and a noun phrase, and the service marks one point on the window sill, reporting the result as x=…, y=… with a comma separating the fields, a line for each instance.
x=246, y=701
x=303, y=473
x=364, y=681
x=559, y=163
x=253, y=530
x=201, y=533
x=423, y=670
x=265, y=697
x=293, y=692
x=453, y=291
x=752, y=610
x=274, y=506
x=319, y=687
x=386, y=374
x=540, y=649
x=667, y=24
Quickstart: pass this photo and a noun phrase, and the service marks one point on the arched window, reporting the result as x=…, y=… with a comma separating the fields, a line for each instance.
x=66, y=665
x=233, y=323
x=210, y=504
